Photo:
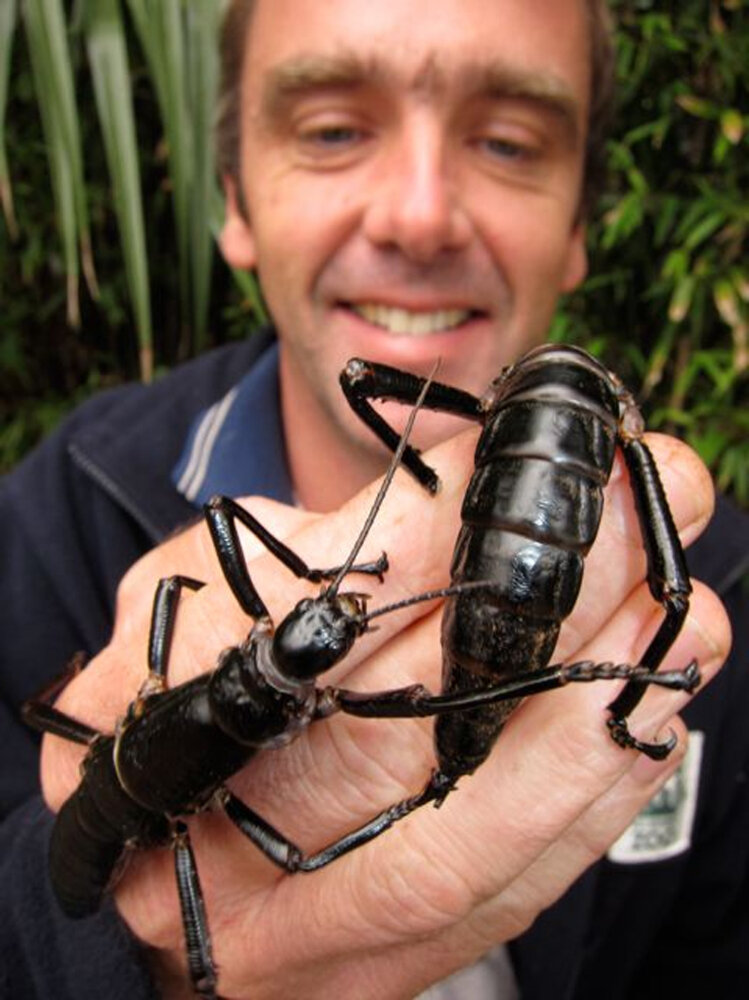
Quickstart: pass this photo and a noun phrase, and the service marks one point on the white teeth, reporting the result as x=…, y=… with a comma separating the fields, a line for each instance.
x=411, y=324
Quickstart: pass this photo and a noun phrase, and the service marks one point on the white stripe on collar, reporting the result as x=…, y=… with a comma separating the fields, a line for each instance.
x=202, y=446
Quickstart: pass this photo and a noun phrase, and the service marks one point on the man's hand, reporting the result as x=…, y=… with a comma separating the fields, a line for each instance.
x=443, y=886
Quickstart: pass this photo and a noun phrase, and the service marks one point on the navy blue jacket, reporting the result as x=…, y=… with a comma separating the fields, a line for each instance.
x=93, y=498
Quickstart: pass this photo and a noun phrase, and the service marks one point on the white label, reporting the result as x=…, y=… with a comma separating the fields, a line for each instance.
x=664, y=827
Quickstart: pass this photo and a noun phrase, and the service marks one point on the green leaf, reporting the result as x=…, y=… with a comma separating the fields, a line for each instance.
x=8, y=16
x=53, y=76
x=681, y=299
x=727, y=302
x=676, y=264
x=704, y=229
x=697, y=106
x=709, y=444
x=623, y=219
x=202, y=90
x=180, y=43
x=105, y=43
x=732, y=126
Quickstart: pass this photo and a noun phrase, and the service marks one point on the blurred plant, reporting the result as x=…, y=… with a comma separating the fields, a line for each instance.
x=106, y=153
x=667, y=301
x=177, y=40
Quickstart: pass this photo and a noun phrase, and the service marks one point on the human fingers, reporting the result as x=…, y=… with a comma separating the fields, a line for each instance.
x=614, y=569
x=502, y=907
x=435, y=880
x=408, y=580
x=419, y=557
x=364, y=752
x=706, y=637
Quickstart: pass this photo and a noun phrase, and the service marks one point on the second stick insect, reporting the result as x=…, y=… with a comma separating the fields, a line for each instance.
x=174, y=750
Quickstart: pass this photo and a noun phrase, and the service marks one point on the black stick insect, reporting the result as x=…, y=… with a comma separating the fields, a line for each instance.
x=175, y=748
x=551, y=424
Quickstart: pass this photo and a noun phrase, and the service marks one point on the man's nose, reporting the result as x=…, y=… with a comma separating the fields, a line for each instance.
x=416, y=203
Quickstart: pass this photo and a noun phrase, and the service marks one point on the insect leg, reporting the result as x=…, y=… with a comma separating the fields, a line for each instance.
x=194, y=922
x=163, y=616
x=365, y=380
x=48, y=719
x=40, y=715
x=411, y=702
x=221, y=513
x=668, y=579
x=291, y=858
x=416, y=701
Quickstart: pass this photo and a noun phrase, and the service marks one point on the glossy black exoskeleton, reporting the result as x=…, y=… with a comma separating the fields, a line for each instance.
x=551, y=424
x=175, y=748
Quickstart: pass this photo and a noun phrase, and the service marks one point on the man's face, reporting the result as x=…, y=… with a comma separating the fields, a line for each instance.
x=412, y=175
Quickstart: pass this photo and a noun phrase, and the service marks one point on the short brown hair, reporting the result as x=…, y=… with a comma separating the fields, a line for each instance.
x=234, y=44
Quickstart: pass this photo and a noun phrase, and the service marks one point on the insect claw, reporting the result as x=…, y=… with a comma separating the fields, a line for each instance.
x=623, y=738
x=439, y=787
x=381, y=567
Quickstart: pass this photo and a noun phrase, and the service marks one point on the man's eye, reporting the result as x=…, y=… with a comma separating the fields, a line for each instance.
x=506, y=149
x=333, y=135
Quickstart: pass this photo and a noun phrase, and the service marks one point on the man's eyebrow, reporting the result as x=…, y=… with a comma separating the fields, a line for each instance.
x=548, y=91
x=305, y=74
x=493, y=80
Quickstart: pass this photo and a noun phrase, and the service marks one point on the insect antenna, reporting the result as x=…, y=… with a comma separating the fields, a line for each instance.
x=429, y=595
x=332, y=590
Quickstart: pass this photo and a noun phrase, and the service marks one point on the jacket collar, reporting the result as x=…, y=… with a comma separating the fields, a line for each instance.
x=134, y=436
x=236, y=446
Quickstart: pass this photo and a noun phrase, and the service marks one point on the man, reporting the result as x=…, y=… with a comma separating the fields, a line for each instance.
x=408, y=185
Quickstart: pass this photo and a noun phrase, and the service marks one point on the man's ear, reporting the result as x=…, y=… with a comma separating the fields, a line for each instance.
x=577, y=259
x=237, y=242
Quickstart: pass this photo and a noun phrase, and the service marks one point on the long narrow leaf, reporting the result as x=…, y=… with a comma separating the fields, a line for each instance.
x=167, y=21
x=52, y=30
x=53, y=75
x=8, y=17
x=105, y=42
x=180, y=43
x=202, y=83
x=161, y=34
x=57, y=155
x=149, y=40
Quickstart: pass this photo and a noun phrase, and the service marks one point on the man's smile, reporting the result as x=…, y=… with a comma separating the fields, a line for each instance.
x=408, y=322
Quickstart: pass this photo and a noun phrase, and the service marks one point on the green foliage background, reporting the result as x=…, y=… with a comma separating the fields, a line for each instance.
x=666, y=303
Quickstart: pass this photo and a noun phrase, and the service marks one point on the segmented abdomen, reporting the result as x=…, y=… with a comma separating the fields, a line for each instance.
x=91, y=832
x=530, y=514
